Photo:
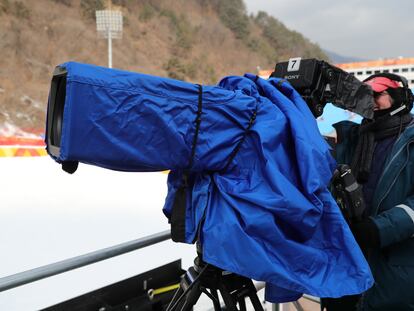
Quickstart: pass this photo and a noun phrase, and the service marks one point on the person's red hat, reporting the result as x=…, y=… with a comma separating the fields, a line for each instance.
x=380, y=84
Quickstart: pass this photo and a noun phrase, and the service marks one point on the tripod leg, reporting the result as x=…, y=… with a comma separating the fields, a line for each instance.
x=228, y=299
x=256, y=303
x=185, y=302
x=253, y=297
x=175, y=298
x=190, y=299
x=242, y=304
x=214, y=298
x=216, y=302
x=188, y=293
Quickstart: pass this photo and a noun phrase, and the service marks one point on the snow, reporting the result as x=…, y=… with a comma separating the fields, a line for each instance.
x=7, y=129
x=32, y=102
x=47, y=215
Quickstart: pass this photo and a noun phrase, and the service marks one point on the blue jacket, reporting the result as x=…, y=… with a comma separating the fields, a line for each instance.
x=393, y=213
x=258, y=173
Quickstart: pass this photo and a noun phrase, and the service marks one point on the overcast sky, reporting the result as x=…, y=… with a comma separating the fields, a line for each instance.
x=368, y=29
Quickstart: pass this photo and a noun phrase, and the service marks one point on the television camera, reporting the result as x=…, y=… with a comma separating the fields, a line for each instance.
x=77, y=114
x=319, y=83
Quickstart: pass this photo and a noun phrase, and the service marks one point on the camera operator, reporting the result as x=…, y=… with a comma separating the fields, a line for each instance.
x=381, y=155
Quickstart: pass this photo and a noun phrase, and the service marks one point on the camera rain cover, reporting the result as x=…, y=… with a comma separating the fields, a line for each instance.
x=352, y=94
x=320, y=83
x=257, y=169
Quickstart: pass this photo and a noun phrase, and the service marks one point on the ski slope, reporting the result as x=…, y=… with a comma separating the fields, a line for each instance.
x=47, y=215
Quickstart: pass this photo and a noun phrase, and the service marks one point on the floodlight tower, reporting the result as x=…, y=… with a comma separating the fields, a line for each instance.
x=109, y=26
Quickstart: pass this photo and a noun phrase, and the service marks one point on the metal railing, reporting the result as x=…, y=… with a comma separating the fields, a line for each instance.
x=66, y=265
x=39, y=273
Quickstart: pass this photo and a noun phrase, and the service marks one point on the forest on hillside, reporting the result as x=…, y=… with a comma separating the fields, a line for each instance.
x=198, y=41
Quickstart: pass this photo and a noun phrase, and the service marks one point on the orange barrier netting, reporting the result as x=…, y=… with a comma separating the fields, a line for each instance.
x=11, y=146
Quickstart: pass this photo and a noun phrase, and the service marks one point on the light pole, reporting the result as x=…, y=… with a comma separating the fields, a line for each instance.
x=109, y=26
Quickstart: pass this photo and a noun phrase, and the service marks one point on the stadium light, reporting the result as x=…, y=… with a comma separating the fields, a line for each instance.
x=109, y=26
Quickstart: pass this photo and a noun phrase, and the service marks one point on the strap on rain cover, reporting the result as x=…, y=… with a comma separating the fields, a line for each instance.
x=237, y=148
x=179, y=207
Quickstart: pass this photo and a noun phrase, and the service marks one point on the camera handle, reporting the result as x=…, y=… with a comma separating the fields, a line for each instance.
x=348, y=194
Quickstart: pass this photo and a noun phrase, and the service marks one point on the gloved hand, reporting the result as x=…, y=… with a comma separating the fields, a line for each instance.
x=366, y=234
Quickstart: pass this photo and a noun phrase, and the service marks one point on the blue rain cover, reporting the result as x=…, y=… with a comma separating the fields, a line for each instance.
x=265, y=213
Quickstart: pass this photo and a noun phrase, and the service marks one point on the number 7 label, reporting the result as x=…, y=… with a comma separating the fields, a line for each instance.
x=294, y=64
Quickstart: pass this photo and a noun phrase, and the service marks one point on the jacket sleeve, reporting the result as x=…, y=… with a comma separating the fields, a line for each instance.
x=396, y=224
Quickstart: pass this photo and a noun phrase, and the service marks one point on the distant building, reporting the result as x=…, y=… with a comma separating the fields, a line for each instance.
x=362, y=70
x=400, y=66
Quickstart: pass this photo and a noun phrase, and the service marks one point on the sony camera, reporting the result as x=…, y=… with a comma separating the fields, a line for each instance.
x=319, y=83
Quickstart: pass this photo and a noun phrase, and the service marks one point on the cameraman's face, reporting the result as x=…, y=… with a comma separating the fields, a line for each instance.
x=383, y=100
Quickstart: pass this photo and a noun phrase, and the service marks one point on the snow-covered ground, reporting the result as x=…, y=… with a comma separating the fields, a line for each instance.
x=47, y=215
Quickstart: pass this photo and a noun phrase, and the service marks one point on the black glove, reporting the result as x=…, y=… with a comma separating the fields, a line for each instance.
x=366, y=234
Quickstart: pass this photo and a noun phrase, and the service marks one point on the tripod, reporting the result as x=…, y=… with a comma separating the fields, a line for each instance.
x=208, y=279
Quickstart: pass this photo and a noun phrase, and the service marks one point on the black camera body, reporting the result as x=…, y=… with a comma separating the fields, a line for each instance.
x=319, y=83
x=310, y=77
